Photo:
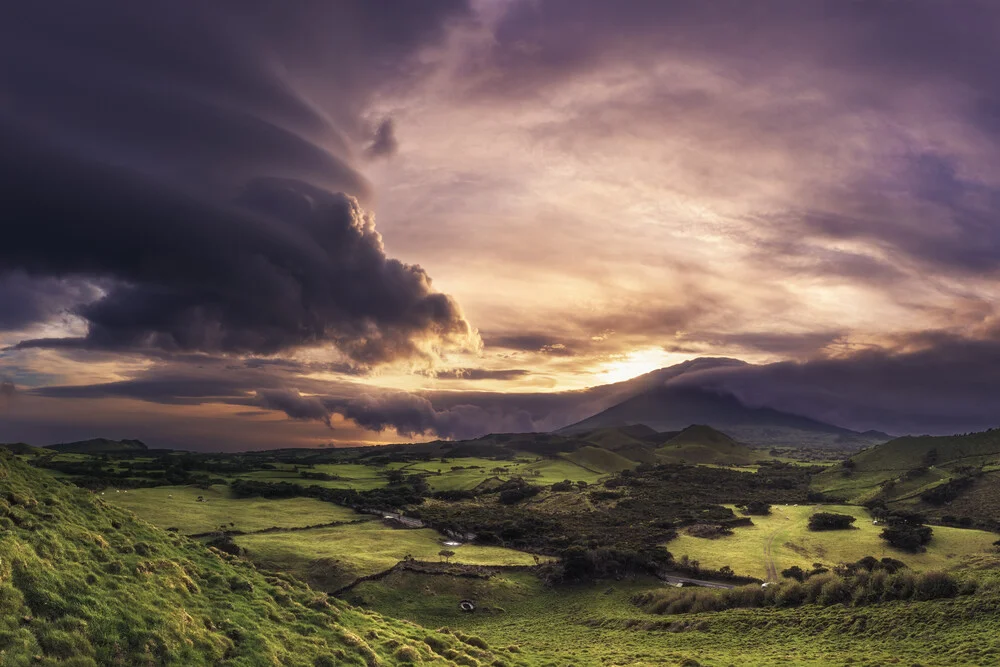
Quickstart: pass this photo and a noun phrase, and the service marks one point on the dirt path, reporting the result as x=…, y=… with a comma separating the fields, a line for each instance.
x=769, y=566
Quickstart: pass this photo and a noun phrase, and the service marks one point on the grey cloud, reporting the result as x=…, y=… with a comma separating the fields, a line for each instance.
x=384, y=142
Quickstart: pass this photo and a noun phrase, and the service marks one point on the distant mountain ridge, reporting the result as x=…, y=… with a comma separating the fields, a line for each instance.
x=99, y=446
x=674, y=407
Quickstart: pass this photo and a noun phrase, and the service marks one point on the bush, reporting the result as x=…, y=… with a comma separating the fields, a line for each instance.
x=935, y=585
x=830, y=521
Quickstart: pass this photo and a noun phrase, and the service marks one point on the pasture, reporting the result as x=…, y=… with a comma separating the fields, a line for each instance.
x=178, y=507
x=781, y=540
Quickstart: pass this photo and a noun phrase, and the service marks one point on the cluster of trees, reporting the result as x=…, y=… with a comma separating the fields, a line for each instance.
x=903, y=530
x=947, y=492
x=579, y=564
x=831, y=521
x=396, y=496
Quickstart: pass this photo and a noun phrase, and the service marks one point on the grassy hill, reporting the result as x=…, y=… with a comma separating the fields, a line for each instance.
x=99, y=446
x=21, y=448
x=84, y=583
x=900, y=471
x=704, y=444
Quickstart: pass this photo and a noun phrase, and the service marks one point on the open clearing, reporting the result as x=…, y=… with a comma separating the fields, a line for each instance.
x=782, y=540
x=178, y=507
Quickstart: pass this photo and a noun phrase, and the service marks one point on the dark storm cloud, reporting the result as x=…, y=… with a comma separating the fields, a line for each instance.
x=384, y=143
x=168, y=152
x=25, y=301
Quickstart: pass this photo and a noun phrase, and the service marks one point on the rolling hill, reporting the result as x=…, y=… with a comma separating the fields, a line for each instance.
x=672, y=408
x=942, y=476
x=703, y=444
x=85, y=583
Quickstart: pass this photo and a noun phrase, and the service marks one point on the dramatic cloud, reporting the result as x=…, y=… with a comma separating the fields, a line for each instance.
x=605, y=187
x=200, y=186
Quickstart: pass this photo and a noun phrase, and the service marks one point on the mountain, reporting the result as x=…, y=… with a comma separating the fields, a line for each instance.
x=85, y=583
x=99, y=446
x=674, y=407
x=703, y=444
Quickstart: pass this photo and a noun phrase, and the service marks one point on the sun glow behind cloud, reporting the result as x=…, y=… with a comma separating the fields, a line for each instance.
x=632, y=364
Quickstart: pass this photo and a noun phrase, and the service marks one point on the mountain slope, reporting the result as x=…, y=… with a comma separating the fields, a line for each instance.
x=84, y=583
x=672, y=408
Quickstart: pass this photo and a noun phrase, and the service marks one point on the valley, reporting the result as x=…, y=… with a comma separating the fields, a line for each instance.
x=561, y=539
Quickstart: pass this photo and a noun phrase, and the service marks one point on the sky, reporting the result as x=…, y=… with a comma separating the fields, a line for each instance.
x=249, y=224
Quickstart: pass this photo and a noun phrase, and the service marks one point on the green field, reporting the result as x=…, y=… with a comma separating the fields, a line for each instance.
x=597, y=625
x=348, y=552
x=782, y=540
x=178, y=507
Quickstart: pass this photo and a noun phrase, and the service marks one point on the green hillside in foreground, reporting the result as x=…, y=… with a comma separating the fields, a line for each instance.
x=83, y=583
x=703, y=444
x=600, y=625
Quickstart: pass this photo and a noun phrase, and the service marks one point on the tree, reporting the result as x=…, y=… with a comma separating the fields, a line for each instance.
x=446, y=554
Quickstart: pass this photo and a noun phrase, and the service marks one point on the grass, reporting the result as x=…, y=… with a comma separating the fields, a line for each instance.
x=83, y=583
x=784, y=539
x=336, y=556
x=597, y=625
x=599, y=460
x=178, y=507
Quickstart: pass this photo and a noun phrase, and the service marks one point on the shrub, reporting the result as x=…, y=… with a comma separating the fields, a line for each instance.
x=406, y=654
x=935, y=585
x=517, y=494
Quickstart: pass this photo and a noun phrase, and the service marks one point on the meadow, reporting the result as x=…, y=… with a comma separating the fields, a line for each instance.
x=782, y=539
x=178, y=507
